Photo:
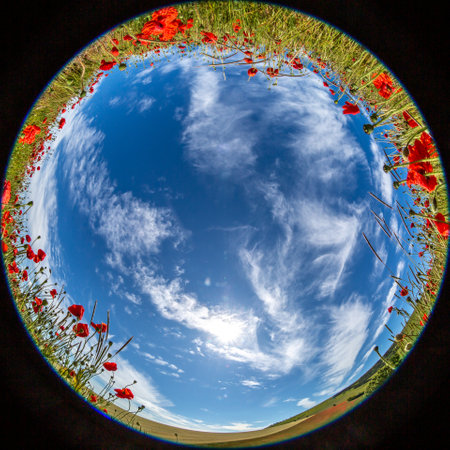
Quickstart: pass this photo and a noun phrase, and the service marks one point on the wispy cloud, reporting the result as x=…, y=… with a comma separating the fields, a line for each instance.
x=128, y=224
x=217, y=134
x=251, y=383
x=349, y=329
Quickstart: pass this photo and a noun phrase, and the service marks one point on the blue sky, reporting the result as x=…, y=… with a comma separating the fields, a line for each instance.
x=220, y=222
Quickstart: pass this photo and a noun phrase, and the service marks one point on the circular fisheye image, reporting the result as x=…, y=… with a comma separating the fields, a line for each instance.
x=224, y=224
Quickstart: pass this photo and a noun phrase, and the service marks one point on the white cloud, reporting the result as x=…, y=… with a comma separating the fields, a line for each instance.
x=251, y=383
x=174, y=303
x=306, y=403
x=349, y=324
x=129, y=225
x=216, y=133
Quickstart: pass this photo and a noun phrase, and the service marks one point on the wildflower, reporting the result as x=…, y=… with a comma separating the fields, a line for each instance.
x=350, y=108
x=271, y=72
x=390, y=309
x=81, y=329
x=419, y=178
x=100, y=327
x=37, y=305
x=93, y=398
x=124, y=393
x=410, y=121
x=423, y=148
x=30, y=253
x=252, y=72
x=164, y=23
x=53, y=293
x=107, y=65
x=41, y=255
x=111, y=366
x=30, y=133
x=115, y=51
x=404, y=292
x=25, y=276
x=6, y=193
x=13, y=268
x=77, y=311
x=384, y=84
x=27, y=237
x=4, y=247
x=61, y=123
x=209, y=38
x=443, y=227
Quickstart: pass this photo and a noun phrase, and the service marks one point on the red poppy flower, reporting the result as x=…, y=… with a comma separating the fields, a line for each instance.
x=13, y=268
x=28, y=238
x=127, y=37
x=93, y=398
x=6, y=193
x=53, y=293
x=252, y=72
x=37, y=305
x=77, y=311
x=410, y=121
x=107, y=65
x=350, y=108
x=81, y=329
x=25, y=275
x=100, y=327
x=30, y=133
x=4, y=247
x=384, y=85
x=115, y=51
x=443, y=228
x=41, y=255
x=62, y=123
x=404, y=292
x=390, y=309
x=418, y=177
x=111, y=366
x=210, y=38
x=30, y=253
x=124, y=393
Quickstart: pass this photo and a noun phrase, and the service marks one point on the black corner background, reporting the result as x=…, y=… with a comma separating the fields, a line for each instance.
x=39, y=38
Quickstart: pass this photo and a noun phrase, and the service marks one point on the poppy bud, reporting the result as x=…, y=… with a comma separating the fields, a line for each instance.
x=396, y=184
x=387, y=168
x=405, y=152
x=374, y=117
x=122, y=66
x=368, y=128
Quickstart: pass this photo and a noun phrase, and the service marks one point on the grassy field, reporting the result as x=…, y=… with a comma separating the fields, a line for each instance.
x=281, y=43
x=316, y=417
